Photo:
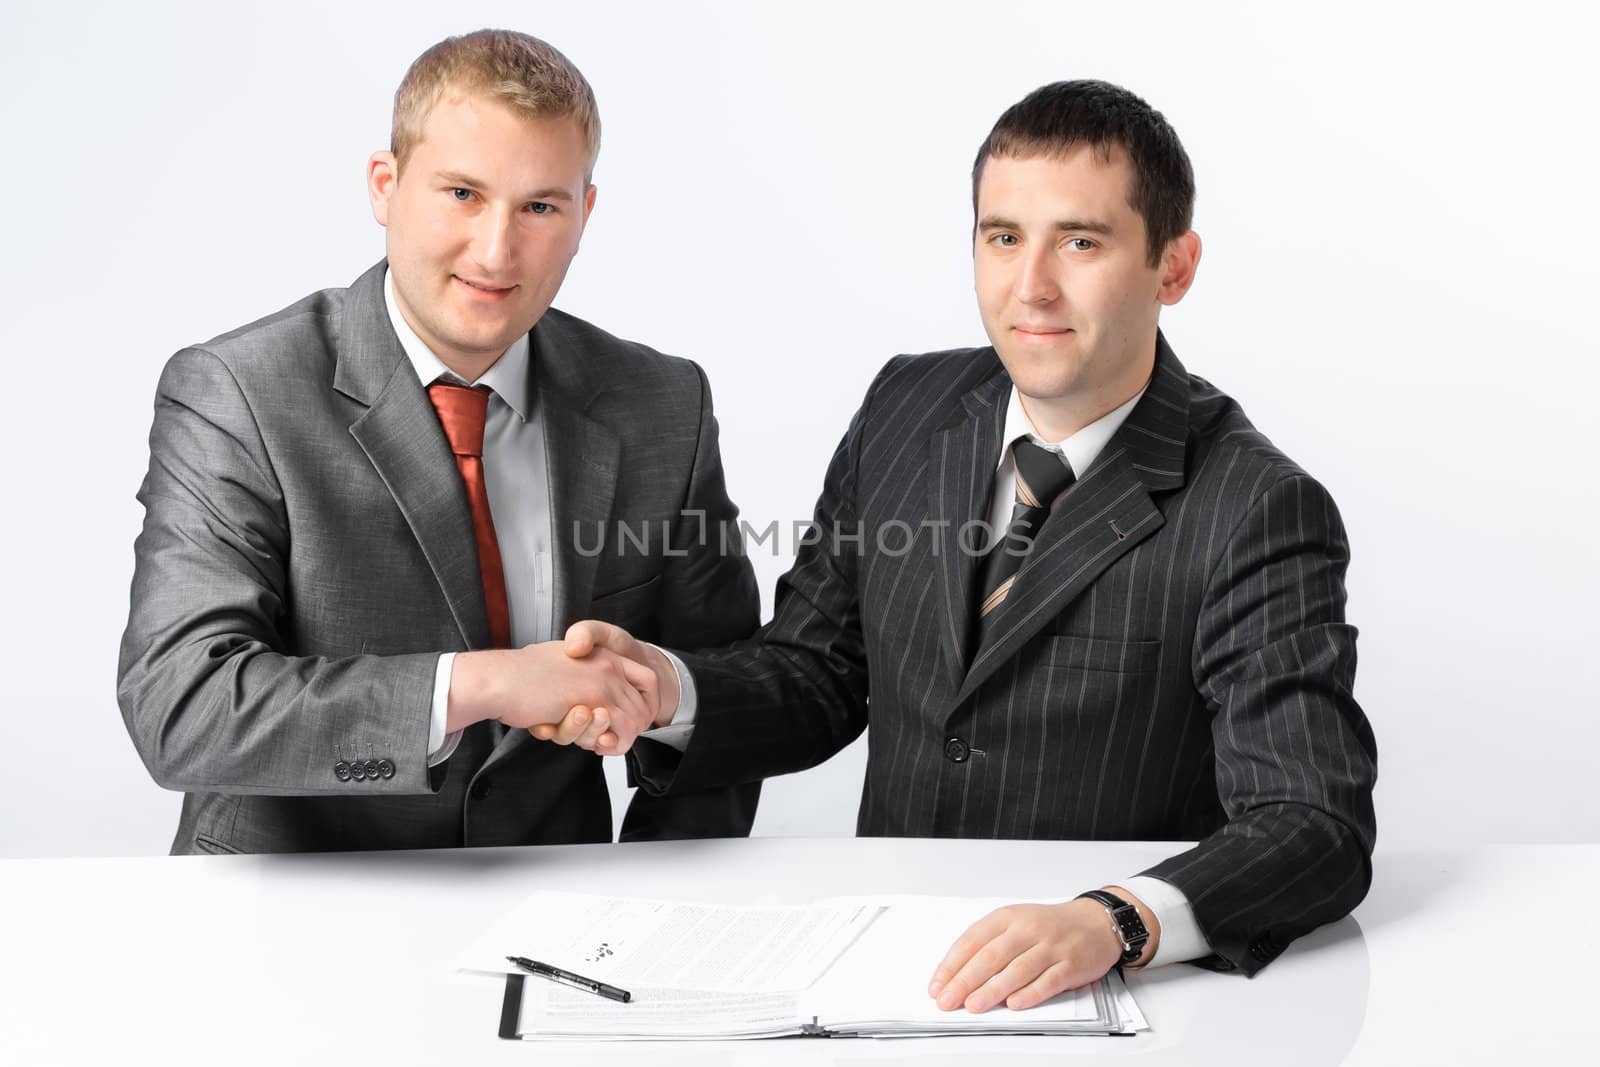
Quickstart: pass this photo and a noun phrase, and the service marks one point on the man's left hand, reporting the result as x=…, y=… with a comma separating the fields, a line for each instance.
x=1024, y=954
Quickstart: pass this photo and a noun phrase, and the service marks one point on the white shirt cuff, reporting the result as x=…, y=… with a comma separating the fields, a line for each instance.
x=1181, y=938
x=677, y=733
x=440, y=745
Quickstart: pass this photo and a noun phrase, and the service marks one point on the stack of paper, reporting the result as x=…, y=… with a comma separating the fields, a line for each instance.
x=845, y=966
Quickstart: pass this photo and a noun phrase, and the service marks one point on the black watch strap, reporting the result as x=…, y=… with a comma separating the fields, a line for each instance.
x=1125, y=920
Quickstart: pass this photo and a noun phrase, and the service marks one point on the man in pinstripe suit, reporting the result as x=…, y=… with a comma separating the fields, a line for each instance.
x=1165, y=655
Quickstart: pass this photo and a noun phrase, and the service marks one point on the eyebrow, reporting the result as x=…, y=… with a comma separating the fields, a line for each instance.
x=554, y=192
x=997, y=222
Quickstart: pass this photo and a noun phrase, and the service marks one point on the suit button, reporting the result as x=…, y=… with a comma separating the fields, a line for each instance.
x=385, y=769
x=371, y=767
x=341, y=771
x=482, y=790
x=956, y=750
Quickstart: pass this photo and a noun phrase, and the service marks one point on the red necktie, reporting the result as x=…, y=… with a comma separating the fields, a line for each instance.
x=462, y=410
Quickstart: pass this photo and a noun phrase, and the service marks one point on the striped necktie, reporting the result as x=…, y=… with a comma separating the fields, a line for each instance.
x=1042, y=475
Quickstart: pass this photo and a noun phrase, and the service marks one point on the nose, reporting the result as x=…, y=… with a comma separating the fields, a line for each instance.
x=493, y=242
x=1036, y=281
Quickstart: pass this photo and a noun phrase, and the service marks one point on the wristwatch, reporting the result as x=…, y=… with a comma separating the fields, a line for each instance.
x=1124, y=920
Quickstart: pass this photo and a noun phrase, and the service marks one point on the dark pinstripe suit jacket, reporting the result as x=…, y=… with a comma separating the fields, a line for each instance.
x=1173, y=662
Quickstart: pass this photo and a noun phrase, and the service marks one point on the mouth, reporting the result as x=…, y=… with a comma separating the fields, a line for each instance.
x=1040, y=333
x=483, y=290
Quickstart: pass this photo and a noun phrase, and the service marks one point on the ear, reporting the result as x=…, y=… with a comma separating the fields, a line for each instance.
x=588, y=209
x=1179, y=262
x=383, y=174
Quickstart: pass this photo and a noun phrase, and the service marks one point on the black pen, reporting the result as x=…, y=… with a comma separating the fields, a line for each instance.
x=576, y=981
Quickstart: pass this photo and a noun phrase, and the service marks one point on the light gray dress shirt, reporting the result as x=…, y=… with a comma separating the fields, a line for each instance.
x=516, y=476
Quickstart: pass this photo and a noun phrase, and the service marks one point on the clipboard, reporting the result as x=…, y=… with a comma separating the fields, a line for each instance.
x=511, y=1009
x=511, y=1015
x=511, y=1022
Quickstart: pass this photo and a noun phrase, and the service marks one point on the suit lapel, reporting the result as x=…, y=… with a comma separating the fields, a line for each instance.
x=961, y=463
x=400, y=434
x=1105, y=515
x=584, y=458
x=583, y=480
x=1099, y=521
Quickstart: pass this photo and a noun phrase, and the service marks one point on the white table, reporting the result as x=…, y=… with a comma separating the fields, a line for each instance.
x=343, y=958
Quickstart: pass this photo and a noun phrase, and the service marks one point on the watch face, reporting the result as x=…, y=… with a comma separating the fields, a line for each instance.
x=1134, y=933
x=1128, y=919
x=1129, y=926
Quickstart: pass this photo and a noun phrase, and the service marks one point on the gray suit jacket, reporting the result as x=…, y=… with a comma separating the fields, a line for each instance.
x=1172, y=663
x=307, y=553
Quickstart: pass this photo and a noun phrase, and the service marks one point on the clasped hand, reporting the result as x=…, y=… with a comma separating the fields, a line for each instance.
x=598, y=688
x=610, y=727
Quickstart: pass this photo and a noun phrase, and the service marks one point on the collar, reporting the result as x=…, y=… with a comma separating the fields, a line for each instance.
x=507, y=377
x=1081, y=448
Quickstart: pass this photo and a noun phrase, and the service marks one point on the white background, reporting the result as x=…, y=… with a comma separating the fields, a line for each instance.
x=1398, y=214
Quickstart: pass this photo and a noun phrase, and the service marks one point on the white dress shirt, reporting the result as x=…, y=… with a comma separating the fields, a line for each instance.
x=1181, y=938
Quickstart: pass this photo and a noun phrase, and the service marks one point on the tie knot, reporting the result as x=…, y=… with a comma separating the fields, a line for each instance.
x=1042, y=475
x=462, y=410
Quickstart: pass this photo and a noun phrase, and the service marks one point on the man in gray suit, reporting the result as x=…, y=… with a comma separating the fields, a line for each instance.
x=1156, y=649
x=368, y=514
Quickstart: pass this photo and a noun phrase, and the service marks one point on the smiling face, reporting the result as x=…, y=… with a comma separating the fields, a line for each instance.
x=1067, y=294
x=483, y=224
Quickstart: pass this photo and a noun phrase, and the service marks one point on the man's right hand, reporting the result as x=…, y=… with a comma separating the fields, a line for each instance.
x=611, y=732
x=540, y=684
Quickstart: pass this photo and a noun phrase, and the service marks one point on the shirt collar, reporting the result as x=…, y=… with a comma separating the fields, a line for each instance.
x=1081, y=448
x=507, y=377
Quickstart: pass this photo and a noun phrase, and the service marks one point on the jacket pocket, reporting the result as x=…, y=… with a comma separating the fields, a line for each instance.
x=213, y=847
x=630, y=604
x=1084, y=652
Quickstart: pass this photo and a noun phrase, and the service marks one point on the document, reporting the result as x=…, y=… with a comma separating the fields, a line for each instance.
x=673, y=944
x=554, y=1011
x=845, y=966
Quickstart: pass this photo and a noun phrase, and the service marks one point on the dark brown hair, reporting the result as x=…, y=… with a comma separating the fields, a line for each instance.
x=1055, y=118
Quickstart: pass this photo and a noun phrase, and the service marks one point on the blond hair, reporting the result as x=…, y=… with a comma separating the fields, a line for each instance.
x=521, y=71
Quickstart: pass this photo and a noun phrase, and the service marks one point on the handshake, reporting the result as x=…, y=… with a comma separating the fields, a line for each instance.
x=599, y=688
